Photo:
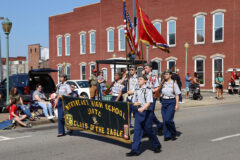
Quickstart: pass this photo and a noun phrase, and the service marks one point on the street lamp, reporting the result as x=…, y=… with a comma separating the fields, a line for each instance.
x=186, y=45
x=7, y=25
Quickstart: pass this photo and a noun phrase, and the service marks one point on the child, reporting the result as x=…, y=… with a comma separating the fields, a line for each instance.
x=14, y=115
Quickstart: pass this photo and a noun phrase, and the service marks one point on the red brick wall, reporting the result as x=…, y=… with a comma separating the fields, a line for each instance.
x=33, y=56
x=108, y=13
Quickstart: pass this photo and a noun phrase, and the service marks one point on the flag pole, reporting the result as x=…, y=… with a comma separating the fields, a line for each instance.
x=142, y=54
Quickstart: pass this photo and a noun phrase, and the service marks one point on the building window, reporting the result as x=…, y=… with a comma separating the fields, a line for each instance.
x=92, y=42
x=157, y=25
x=218, y=66
x=156, y=67
x=171, y=33
x=59, y=72
x=59, y=46
x=67, y=45
x=110, y=39
x=199, y=68
x=92, y=66
x=83, y=71
x=218, y=27
x=35, y=50
x=30, y=50
x=68, y=71
x=83, y=43
x=104, y=70
x=121, y=39
x=200, y=29
x=171, y=64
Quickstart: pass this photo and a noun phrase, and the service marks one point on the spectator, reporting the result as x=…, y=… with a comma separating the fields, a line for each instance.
x=196, y=80
x=73, y=92
x=238, y=79
x=219, y=85
x=102, y=84
x=14, y=114
x=40, y=99
x=233, y=78
x=19, y=102
x=93, y=83
x=188, y=79
x=177, y=80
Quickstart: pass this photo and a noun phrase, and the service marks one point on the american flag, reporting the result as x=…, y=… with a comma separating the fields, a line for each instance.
x=130, y=33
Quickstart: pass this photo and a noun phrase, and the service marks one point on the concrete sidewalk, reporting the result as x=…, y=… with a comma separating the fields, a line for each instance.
x=209, y=99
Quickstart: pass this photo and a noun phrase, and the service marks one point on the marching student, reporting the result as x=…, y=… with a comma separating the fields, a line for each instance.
x=170, y=92
x=133, y=84
x=117, y=88
x=153, y=83
x=142, y=99
x=62, y=89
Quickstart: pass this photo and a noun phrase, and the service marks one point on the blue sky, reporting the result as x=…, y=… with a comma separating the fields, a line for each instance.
x=30, y=21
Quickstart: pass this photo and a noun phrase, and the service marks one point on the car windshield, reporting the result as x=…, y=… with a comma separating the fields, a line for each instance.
x=83, y=84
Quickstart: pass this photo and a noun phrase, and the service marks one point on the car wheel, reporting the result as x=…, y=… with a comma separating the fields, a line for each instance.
x=84, y=95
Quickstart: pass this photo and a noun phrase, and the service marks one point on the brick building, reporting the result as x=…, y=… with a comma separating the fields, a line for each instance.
x=95, y=32
x=38, y=56
x=16, y=65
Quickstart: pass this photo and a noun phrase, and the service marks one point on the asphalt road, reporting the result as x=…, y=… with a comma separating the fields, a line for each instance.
x=208, y=133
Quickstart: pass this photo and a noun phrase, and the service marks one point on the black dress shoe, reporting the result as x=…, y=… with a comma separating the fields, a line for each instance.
x=173, y=138
x=61, y=135
x=167, y=139
x=157, y=150
x=132, y=153
x=160, y=131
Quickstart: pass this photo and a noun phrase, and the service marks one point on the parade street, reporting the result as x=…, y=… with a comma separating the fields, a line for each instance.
x=210, y=132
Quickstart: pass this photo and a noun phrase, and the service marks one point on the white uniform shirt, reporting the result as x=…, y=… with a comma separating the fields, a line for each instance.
x=133, y=83
x=143, y=95
x=169, y=91
x=63, y=89
x=117, y=88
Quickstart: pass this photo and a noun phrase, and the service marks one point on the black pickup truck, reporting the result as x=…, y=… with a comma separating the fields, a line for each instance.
x=26, y=84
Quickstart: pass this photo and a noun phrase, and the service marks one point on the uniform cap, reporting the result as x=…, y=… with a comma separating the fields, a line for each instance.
x=148, y=64
x=143, y=76
x=63, y=75
x=168, y=71
x=133, y=66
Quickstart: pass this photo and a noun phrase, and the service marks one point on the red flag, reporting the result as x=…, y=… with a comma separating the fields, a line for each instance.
x=148, y=34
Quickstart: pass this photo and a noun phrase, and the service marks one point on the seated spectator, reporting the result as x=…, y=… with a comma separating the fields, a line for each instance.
x=14, y=115
x=40, y=99
x=19, y=103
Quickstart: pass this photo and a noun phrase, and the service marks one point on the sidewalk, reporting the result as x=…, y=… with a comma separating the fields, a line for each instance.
x=209, y=98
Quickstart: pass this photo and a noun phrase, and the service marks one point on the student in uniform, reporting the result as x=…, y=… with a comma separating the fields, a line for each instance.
x=142, y=99
x=117, y=88
x=170, y=92
x=133, y=84
x=153, y=83
x=63, y=89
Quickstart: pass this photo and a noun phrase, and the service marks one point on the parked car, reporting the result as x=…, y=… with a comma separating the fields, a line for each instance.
x=26, y=83
x=82, y=87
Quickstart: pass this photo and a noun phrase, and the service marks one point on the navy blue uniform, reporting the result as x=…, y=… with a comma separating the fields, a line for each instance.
x=169, y=91
x=143, y=120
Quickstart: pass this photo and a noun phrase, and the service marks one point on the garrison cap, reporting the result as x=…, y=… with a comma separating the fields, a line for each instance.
x=143, y=76
x=168, y=71
x=133, y=66
x=63, y=75
x=148, y=64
